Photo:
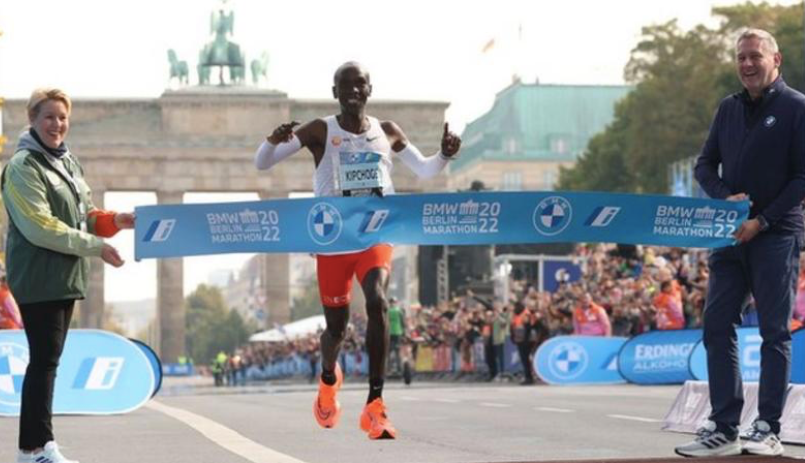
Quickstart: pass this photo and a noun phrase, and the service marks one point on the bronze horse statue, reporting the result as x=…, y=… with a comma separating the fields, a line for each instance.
x=178, y=69
x=260, y=68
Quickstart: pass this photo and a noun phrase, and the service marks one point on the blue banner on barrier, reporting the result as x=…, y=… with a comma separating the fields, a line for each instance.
x=153, y=359
x=798, y=356
x=345, y=224
x=749, y=342
x=99, y=373
x=511, y=358
x=178, y=369
x=579, y=360
x=658, y=357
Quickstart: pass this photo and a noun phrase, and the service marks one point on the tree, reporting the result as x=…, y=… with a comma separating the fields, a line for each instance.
x=784, y=22
x=679, y=76
x=210, y=326
x=109, y=323
x=308, y=304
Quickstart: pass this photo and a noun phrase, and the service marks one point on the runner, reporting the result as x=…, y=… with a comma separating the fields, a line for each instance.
x=352, y=142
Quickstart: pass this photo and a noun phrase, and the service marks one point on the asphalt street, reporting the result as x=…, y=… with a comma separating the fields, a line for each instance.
x=189, y=421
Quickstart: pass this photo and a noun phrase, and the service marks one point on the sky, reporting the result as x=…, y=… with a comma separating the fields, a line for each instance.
x=414, y=49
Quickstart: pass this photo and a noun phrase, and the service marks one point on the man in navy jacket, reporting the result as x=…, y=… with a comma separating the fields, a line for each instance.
x=757, y=139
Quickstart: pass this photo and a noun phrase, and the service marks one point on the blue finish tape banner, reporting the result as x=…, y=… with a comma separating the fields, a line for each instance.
x=658, y=357
x=749, y=342
x=346, y=224
x=579, y=360
x=798, y=356
x=99, y=373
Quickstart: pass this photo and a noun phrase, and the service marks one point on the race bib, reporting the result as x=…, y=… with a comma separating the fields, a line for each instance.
x=360, y=173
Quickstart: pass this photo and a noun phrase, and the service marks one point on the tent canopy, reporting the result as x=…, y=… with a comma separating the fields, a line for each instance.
x=291, y=331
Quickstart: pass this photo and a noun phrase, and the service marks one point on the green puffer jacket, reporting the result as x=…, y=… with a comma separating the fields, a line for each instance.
x=47, y=201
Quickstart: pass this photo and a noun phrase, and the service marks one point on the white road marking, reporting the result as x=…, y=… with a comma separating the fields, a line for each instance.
x=555, y=410
x=223, y=436
x=447, y=401
x=494, y=404
x=635, y=418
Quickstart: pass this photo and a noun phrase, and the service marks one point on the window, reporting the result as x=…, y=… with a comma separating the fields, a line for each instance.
x=512, y=181
x=559, y=145
x=549, y=179
x=511, y=146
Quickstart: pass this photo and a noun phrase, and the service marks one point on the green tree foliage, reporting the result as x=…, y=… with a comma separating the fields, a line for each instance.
x=784, y=22
x=679, y=77
x=210, y=326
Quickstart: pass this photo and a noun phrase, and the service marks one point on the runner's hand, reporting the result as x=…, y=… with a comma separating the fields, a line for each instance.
x=451, y=143
x=283, y=133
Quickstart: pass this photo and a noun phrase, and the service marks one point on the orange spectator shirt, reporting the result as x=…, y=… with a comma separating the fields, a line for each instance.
x=669, y=311
x=592, y=322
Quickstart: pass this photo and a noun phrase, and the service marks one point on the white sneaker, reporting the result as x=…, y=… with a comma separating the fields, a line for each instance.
x=710, y=443
x=50, y=454
x=762, y=441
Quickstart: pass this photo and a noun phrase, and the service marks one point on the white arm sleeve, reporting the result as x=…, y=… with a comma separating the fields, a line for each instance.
x=269, y=154
x=423, y=167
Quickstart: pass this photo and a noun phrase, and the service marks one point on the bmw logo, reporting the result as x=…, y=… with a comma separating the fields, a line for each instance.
x=567, y=360
x=324, y=223
x=13, y=362
x=769, y=121
x=552, y=215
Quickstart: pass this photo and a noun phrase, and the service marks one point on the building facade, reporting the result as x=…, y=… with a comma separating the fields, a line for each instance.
x=531, y=131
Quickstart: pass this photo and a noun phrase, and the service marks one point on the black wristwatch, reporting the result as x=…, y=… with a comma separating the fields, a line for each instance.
x=764, y=224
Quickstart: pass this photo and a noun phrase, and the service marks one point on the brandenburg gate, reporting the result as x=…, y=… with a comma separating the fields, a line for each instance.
x=203, y=139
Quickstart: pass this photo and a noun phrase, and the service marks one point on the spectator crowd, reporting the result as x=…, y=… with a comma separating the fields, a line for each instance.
x=622, y=291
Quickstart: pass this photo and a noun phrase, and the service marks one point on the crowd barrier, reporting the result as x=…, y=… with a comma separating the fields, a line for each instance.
x=655, y=357
x=427, y=359
x=99, y=373
x=178, y=369
x=691, y=409
x=579, y=360
x=658, y=357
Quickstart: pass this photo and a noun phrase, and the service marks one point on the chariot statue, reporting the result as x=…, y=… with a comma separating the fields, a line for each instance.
x=222, y=52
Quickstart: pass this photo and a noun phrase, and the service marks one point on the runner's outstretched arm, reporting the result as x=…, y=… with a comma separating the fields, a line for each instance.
x=424, y=167
x=284, y=142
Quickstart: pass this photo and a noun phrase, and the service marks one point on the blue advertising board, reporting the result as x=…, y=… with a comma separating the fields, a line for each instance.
x=579, y=360
x=658, y=357
x=156, y=363
x=178, y=369
x=749, y=342
x=99, y=373
x=559, y=271
x=798, y=356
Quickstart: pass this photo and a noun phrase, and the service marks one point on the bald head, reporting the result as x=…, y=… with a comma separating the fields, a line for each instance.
x=352, y=88
x=350, y=65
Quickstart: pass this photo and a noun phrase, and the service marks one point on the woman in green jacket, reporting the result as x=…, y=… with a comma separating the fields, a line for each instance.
x=53, y=230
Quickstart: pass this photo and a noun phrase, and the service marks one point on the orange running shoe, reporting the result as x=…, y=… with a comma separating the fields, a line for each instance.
x=375, y=421
x=326, y=408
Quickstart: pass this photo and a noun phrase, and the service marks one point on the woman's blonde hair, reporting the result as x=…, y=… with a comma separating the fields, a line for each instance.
x=41, y=95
